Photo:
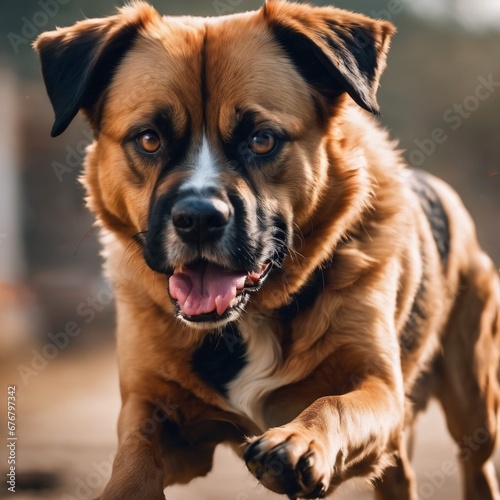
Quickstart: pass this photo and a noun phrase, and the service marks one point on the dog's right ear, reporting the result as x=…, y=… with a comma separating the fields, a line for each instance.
x=79, y=62
x=335, y=50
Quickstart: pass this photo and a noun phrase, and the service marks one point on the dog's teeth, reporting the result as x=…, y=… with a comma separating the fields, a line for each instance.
x=233, y=302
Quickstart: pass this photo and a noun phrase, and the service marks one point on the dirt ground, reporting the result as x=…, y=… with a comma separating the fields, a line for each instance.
x=66, y=418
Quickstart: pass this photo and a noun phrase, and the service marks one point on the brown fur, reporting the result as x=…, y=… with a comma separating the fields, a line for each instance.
x=345, y=388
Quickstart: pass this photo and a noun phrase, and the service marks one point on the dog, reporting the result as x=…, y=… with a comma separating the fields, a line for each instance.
x=284, y=284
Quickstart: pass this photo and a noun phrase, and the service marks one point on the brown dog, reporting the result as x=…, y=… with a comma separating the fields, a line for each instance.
x=278, y=271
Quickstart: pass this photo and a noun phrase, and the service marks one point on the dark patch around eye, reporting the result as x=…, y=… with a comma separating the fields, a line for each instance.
x=237, y=147
x=175, y=143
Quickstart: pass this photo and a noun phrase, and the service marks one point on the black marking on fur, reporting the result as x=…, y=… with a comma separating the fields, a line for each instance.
x=434, y=211
x=305, y=298
x=282, y=240
x=245, y=251
x=418, y=317
x=220, y=358
x=137, y=177
x=155, y=252
x=175, y=143
x=344, y=60
x=239, y=154
x=236, y=149
x=76, y=71
x=439, y=224
x=140, y=238
x=173, y=152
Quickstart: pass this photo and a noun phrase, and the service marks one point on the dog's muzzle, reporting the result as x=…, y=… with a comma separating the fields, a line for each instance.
x=203, y=290
x=200, y=220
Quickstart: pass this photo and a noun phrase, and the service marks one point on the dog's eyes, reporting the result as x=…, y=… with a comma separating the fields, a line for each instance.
x=149, y=142
x=263, y=143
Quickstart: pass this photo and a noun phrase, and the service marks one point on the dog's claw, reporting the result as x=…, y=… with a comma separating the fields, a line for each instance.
x=288, y=463
x=318, y=492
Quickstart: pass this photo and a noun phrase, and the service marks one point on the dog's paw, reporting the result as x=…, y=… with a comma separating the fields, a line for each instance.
x=289, y=463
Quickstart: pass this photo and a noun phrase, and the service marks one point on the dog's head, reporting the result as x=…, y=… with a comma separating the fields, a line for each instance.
x=215, y=141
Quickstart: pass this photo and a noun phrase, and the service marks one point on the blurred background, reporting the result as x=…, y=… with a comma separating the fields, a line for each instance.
x=440, y=97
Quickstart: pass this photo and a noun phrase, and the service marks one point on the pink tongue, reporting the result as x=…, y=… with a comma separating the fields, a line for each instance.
x=205, y=288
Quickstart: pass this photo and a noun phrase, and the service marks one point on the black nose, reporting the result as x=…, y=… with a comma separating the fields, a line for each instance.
x=198, y=220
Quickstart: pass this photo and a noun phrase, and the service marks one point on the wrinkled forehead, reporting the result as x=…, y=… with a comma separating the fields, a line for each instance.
x=207, y=72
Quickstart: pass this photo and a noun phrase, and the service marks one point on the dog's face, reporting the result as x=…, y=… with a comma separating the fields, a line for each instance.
x=214, y=140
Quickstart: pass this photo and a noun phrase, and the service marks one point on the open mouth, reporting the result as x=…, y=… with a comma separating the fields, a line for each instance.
x=205, y=292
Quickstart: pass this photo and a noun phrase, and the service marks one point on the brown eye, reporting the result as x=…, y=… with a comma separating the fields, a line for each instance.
x=263, y=143
x=149, y=142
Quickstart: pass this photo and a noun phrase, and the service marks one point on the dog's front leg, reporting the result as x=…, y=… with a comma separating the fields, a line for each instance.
x=154, y=450
x=137, y=468
x=335, y=438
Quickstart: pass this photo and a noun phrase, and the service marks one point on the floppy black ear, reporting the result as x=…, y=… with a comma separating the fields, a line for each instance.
x=335, y=50
x=79, y=62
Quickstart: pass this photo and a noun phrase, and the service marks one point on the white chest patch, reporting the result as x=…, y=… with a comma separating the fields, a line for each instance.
x=246, y=393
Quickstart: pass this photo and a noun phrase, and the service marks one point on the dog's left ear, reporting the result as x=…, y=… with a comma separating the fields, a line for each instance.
x=79, y=62
x=335, y=50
